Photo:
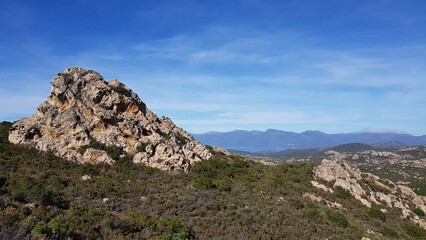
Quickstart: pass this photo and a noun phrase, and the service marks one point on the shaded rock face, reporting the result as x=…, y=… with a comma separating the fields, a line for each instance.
x=369, y=189
x=83, y=107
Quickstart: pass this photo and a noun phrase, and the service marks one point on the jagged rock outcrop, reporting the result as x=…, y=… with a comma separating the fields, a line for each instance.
x=370, y=189
x=84, y=108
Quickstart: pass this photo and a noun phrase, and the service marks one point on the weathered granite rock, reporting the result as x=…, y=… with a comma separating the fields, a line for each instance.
x=95, y=156
x=370, y=189
x=83, y=107
x=343, y=176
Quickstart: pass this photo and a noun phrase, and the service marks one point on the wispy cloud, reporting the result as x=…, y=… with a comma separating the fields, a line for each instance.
x=225, y=73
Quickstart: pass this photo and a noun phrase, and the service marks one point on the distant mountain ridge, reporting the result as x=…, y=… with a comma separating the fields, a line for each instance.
x=278, y=140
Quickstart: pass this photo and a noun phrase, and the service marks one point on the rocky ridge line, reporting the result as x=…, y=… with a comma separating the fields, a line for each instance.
x=83, y=108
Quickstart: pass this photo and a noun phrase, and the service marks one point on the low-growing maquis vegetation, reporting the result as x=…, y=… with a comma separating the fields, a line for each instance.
x=44, y=197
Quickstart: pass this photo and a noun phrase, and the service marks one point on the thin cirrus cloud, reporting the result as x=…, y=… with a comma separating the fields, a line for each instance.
x=234, y=48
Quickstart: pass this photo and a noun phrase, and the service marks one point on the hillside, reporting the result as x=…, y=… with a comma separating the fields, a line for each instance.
x=94, y=162
x=405, y=165
x=277, y=140
x=221, y=198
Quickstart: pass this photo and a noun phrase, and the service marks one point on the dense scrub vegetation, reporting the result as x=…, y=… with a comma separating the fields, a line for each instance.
x=42, y=196
x=414, y=176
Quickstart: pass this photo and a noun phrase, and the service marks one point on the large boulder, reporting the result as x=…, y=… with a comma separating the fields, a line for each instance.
x=84, y=108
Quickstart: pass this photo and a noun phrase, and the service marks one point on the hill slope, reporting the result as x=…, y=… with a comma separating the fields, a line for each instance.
x=226, y=197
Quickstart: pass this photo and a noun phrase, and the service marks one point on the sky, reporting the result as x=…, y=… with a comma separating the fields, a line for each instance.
x=337, y=66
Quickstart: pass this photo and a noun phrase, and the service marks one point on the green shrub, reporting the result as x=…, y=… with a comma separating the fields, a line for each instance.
x=173, y=229
x=40, y=228
x=389, y=232
x=166, y=136
x=222, y=185
x=51, y=198
x=89, y=169
x=296, y=203
x=337, y=218
x=239, y=163
x=414, y=231
x=142, y=147
x=311, y=211
x=141, y=220
x=341, y=193
x=210, y=149
x=176, y=236
x=4, y=131
x=419, y=212
x=53, y=226
x=181, y=139
x=204, y=183
x=211, y=168
x=375, y=212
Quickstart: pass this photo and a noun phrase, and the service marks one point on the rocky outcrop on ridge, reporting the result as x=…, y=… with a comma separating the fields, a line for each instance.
x=369, y=189
x=83, y=108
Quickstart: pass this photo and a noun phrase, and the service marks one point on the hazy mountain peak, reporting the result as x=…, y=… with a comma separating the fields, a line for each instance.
x=277, y=140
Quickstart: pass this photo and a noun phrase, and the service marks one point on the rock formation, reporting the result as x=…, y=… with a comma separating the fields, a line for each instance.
x=83, y=109
x=369, y=189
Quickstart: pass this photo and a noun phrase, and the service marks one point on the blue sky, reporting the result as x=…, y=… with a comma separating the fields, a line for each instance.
x=334, y=66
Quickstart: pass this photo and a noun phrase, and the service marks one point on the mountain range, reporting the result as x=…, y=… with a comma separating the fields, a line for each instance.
x=278, y=140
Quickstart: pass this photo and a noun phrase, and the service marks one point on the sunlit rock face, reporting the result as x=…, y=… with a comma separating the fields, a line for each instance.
x=83, y=108
x=369, y=189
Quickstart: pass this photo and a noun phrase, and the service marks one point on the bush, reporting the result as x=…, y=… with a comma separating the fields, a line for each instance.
x=389, y=232
x=142, y=147
x=176, y=236
x=419, y=212
x=50, y=198
x=210, y=149
x=172, y=229
x=204, y=183
x=10, y=215
x=166, y=136
x=40, y=228
x=341, y=193
x=414, y=231
x=222, y=185
x=337, y=218
x=53, y=226
x=181, y=139
x=4, y=131
x=296, y=203
x=375, y=212
x=311, y=211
